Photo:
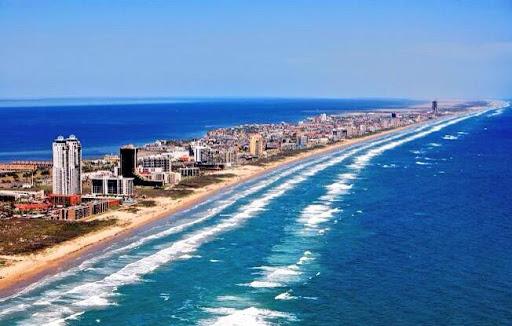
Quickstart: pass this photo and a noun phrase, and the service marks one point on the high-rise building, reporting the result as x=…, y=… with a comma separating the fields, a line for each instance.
x=302, y=141
x=128, y=161
x=67, y=166
x=256, y=145
x=434, y=107
x=200, y=153
x=128, y=166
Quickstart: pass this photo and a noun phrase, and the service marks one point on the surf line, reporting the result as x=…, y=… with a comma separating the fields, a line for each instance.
x=322, y=211
x=96, y=292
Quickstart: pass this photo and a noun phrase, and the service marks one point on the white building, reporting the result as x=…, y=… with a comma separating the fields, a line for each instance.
x=172, y=178
x=112, y=186
x=67, y=166
x=200, y=153
x=178, y=154
x=189, y=171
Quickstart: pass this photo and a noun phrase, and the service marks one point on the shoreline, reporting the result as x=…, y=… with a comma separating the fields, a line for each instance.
x=33, y=267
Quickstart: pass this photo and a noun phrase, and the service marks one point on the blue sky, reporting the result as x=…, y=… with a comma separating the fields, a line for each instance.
x=413, y=49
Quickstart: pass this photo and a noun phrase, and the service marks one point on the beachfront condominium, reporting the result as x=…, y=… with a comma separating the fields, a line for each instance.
x=256, y=145
x=156, y=163
x=112, y=186
x=67, y=166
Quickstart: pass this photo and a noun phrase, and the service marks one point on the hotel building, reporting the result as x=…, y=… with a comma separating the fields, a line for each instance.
x=67, y=166
x=256, y=145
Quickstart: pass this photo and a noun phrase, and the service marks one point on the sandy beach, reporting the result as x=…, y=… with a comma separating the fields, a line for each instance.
x=25, y=269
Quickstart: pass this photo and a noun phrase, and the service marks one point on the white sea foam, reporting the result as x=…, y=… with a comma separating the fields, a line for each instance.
x=247, y=317
x=105, y=288
x=361, y=161
x=219, y=310
x=212, y=211
x=435, y=145
x=187, y=256
x=173, y=230
x=423, y=163
x=229, y=298
x=320, y=212
x=278, y=276
x=285, y=296
x=450, y=137
x=495, y=113
x=94, y=301
x=102, y=290
x=306, y=258
x=272, y=279
x=262, y=284
x=315, y=214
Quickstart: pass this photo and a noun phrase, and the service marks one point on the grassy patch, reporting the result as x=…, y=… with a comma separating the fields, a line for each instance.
x=22, y=236
x=177, y=193
x=184, y=188
x=282, y=155
x=204, y=180
x=147, y=203
x=173, y=193
x=133, y=210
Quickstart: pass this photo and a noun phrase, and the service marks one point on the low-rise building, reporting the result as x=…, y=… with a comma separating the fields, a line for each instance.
x=112, y=186
x=189, y=171
x=64, y=200
x=84, y=210
x=156, y=163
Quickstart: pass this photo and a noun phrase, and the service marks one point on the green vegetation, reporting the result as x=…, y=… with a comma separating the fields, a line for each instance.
x=147, y=203
x=13, y=180
x=283, y=155
x=184, y=188
x=132, y=209
x=93, y=165
x=173, y=193
x=23, y=236
x=204, y=180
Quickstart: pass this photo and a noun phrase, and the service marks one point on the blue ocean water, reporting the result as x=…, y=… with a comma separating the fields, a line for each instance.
x=29, y=127
x=414, y=228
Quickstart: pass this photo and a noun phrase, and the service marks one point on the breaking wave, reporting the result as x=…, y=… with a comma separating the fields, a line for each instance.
x=99, y=293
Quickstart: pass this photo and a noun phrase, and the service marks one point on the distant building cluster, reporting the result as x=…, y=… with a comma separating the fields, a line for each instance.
x=223, y=147
x=164, y=163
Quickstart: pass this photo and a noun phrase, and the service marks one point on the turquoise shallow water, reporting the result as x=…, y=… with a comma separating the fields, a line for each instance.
x=414, y=228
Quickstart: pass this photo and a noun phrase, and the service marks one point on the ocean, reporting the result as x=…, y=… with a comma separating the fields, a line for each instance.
x=413, y=228
x=29, y=127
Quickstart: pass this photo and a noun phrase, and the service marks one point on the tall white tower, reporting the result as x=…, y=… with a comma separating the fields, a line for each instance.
x=67, y=166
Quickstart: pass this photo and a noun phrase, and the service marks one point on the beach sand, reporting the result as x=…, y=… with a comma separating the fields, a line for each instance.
x=22, y=270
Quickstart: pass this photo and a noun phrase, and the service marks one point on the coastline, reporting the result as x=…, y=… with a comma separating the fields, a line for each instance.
x=30, y=268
